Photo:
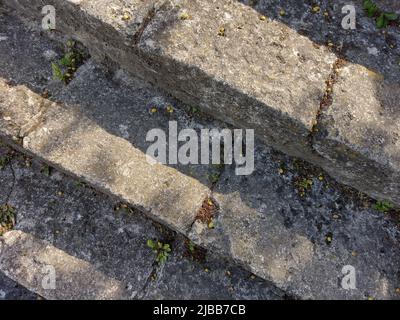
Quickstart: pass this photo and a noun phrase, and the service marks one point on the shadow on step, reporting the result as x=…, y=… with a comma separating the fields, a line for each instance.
x=263, y=222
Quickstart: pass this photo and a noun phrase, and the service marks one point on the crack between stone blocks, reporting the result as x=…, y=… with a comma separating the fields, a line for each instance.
x=146, y=21
x=327, y=98
x=209, y=196
x=143, y=291
x=13, y=183
x=156, y=269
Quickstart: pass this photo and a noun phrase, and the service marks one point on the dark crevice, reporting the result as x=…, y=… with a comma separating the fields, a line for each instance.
x=327, y=98
x=13, y=183
x=149, y=17
x=156, y=267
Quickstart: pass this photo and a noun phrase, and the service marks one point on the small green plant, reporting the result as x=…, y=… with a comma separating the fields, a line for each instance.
x=4, y=161
x=370, y=7
x=162, y=250
x=214, y=177
x=7, y=218
x=306, y=183
x=46, y=170
x=382, y=19
x=65, y=68
x=383, y=206
x=191, y=247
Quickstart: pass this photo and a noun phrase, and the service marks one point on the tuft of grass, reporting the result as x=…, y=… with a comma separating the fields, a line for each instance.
x=162, y=250
x=46, y=170
x=383, y=206
x=4, y=161
x=382, y=19
x=65, y=68
x=7, y=218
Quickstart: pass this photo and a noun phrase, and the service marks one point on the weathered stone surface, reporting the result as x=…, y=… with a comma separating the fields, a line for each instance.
x=26, y=259
x=10, y=290
x=253, y=73
x=19, y=43
x=20, y=109
x=261, y=216
x=212, y=279
x=107, y=28
x=389, y=5
x=188, y=58
x=273, y=81
x=86, y=225
x=366, y=45
x=360, y=132
x=302, y=243
x=70, y=140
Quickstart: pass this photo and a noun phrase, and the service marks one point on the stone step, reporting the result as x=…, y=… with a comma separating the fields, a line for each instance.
x=11, y=290
x=34, y=264
x=70, y=242
x=287, y=222
x=264, y=65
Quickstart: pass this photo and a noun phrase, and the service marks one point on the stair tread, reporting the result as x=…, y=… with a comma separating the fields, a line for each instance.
x=267, y=65
x=100, y=252
x=263, y=223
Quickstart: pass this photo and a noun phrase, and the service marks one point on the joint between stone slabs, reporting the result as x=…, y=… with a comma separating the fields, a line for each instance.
x=327, y=98
x=13, y=183
x=156, y=269
x=146, y=21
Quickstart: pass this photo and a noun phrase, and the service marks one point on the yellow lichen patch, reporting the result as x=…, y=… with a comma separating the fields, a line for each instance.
x=126, y=16
x=282, y=13
x=222, y=32
x=263, y=18
x=184, y=16
x=316, y=9
x=170, y=109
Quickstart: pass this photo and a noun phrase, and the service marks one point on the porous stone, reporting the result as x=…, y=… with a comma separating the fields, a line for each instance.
x=10, y=290
x=186, y=278
x=273, y=82
x=302, y=242
x=243, y=70
x=33, y=262
x=360, y=132
x=111, y=237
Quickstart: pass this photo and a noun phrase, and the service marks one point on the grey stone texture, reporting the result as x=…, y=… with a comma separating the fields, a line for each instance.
x=33, y=262
x=275, y=223
x=302, y=243
x=254, y=64
x=98, y=246
x=11, y=290
x=362, y=129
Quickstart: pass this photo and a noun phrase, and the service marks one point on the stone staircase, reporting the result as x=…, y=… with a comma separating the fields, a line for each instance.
x=96, y=248
x=288, y=222
x=295, y=80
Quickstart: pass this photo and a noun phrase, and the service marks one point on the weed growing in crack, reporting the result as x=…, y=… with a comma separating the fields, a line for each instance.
x=383, y=206
x=194, y=252
x=4, y=161
x=66, y=67
x=382, y=19
x=7, y=218
x=46, y=170
x=162, y=250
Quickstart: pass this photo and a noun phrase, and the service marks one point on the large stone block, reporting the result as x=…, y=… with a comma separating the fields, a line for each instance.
x=359, y=133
